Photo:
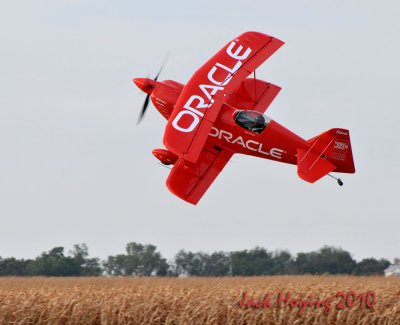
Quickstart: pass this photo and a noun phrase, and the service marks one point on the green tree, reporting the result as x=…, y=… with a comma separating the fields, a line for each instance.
x=189, y=263
x=202, y=264
x=217, y=264
x=326, y=260
x=115, y=265
x=371, y=266
x=142, y=260
x=86, y=266
x=54, y=263
x=257, y=261
x=283, y=263
x=12, y=266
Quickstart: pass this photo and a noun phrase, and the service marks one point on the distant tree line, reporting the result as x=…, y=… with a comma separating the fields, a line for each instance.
x=54, y=263
x=259, y=261
x=145, y=260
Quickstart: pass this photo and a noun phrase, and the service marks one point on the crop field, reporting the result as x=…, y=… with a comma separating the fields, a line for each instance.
x=239, y=300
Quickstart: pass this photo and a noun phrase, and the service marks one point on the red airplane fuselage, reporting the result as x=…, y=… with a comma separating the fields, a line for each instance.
x=275, y=142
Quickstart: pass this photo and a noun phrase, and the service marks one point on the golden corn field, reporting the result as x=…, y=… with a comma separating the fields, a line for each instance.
x=239, y=300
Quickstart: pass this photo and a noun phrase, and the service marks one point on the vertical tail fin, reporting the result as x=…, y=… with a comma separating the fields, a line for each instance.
x=329, y=151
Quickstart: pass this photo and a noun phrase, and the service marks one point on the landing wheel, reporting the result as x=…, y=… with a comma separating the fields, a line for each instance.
x=339, y=181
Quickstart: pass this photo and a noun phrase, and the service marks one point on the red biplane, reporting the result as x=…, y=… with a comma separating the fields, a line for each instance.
x=220, y=112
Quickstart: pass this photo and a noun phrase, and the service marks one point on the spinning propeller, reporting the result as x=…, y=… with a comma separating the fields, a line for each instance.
x=147, y=85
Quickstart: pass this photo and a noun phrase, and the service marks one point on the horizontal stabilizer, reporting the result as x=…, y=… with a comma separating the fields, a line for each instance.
x=311, y=166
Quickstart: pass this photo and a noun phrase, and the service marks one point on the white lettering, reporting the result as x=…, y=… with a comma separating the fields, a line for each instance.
x=341, y=132
x=228, y=136
x=229, y=76
x=236, y=52
x=263, y=152
x=215, y=82
x=201, y=104
x=341, y=145
x=195, y=121
x=233, y=70
x=248, y=145
x=236, y=55
x=240, y=141
x=214, y=132
x=276, y=153
x=215, y=89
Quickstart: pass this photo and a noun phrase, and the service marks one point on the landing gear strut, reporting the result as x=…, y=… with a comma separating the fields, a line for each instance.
x=339, y=181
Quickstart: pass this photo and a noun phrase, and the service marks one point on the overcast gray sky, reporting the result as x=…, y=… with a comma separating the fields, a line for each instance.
x=74, y=167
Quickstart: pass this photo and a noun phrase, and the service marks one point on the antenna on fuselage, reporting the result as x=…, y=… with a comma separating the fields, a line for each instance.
x=339, y=181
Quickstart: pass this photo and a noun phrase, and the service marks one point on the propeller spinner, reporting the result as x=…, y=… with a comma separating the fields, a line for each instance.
x=147, y=85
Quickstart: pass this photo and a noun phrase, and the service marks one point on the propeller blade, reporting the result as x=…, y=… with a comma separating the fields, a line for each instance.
x=162, y=67
x=142, y=86
x=144, y=108
x=159, y=71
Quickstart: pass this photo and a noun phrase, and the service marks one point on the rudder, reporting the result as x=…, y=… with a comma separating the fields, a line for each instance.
x=329, y=151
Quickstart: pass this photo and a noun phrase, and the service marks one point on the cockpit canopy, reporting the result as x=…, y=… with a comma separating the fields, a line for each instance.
x=251, y=120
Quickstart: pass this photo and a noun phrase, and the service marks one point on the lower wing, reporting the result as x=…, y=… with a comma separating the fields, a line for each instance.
x=189, y=181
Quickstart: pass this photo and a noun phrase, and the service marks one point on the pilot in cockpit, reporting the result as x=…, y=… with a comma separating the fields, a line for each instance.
x=251, y=120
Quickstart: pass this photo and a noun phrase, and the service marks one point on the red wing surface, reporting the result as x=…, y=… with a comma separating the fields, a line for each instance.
x=201, y=99
x=311, y=166
x=189, y=181
x=253, y=94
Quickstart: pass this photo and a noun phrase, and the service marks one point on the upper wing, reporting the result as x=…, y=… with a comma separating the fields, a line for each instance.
x=201, y=99
x=190, y=181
